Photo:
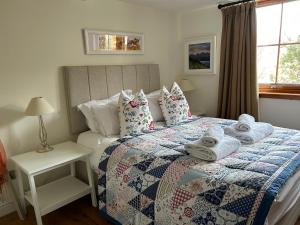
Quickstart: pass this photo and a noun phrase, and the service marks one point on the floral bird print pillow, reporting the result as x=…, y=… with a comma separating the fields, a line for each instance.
x=174, y=105
x=135, y=115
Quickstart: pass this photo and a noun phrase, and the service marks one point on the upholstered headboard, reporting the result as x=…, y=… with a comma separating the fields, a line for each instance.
x=85, y=83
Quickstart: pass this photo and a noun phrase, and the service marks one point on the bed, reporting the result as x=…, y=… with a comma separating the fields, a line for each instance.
x=272, y=164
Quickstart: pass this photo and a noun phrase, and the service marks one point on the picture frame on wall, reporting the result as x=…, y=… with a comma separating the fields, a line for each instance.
x=98, y=42
x=200, y=55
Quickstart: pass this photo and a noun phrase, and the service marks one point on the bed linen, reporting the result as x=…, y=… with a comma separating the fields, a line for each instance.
x=291, y=216
x=285, y=202
x=280, y=210
x=98, y=143
x=149, y=178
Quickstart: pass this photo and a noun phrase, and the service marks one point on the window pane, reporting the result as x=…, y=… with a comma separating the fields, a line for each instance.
x=290, y=19
x=289, y=64
x=268, y=24
x=266, y=64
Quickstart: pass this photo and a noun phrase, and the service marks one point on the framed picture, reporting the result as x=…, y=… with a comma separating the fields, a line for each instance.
x=106, y=42
x=199, y=55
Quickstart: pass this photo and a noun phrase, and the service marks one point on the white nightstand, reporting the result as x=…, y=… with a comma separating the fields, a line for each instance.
x=56, y=194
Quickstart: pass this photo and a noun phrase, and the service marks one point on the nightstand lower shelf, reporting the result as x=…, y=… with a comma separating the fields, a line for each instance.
x=59, y=193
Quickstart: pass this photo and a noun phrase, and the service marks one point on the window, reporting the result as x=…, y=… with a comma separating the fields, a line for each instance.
x=278, y=48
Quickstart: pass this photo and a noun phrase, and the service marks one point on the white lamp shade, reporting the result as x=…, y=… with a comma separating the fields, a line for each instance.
x=38, y=106
x=186, y=85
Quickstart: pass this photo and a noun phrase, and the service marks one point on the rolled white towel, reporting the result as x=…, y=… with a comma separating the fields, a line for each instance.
x=194, y=144
x=259, y=131
x=225, y=147
x=212, y=136
x=245, y=122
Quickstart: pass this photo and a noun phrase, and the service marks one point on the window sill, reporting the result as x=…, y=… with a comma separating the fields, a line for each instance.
x=288, y=96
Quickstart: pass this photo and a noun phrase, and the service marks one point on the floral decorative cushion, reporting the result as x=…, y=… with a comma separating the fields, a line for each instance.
x=135, y=116
x=174, y=105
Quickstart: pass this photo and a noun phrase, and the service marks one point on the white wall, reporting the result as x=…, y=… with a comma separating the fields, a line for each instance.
x=205, y=21
x=201, y=22
x=38, y=37
x=283, y=113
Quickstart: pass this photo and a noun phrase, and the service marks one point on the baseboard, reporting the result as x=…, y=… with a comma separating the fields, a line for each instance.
x=6, y=208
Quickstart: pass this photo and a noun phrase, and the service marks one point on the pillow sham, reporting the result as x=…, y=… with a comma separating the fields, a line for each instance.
x=174, y=105
x=154, y=106
x=135, y=116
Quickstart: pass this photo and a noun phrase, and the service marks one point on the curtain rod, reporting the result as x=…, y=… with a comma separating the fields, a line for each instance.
x=233, y=3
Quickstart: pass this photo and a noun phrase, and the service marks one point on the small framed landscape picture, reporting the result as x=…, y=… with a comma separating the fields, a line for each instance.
x=106, y=42
x=199, y=54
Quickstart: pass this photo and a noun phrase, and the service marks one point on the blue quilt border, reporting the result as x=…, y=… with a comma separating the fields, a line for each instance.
x=269, y=197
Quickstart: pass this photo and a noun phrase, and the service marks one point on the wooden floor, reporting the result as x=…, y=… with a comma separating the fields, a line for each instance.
x=79, y=212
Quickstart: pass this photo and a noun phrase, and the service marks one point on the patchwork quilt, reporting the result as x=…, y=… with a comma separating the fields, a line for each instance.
x=150, y=179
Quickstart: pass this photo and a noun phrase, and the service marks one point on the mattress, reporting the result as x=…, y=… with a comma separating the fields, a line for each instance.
x=99, y=143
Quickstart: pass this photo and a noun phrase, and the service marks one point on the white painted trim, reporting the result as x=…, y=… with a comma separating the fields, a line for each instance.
x=6, y=209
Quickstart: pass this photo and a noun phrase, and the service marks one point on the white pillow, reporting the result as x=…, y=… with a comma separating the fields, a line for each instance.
x=93, y=117
x=135, y=116
x=174, y=106
x=106, y=118
x=115, y=98
x=154, y=105
x=85, y=108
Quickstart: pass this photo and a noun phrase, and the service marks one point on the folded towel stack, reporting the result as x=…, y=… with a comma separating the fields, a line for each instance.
x=257, y=132
x=212, y=136
x=245, y=123
x=213, y=145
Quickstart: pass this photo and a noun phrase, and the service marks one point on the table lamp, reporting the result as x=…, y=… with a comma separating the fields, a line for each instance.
x=38, y=106
x=186, y=85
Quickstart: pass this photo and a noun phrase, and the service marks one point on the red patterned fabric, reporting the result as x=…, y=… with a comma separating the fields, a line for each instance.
x=2, y=165
x=122, y=167
x=180, y=197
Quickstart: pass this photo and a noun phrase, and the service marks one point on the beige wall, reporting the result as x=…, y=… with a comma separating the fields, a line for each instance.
x=201, y=22
x=38, y=37
x=283, y=113
x=206, y=21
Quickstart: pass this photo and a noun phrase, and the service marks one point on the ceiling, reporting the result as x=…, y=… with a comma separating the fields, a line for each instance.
x=177, y=5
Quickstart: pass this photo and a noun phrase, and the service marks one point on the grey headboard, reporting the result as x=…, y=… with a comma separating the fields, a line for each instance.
x=85, y=83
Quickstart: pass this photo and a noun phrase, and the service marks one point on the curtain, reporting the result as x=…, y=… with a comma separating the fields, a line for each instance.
x=238, y=88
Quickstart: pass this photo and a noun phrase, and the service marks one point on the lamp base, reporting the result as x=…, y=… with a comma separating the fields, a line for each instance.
x=44, y=149
x=43, y=137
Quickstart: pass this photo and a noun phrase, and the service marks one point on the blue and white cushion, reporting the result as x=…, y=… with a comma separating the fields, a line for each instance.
x=174, y=105
x=135, y=116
